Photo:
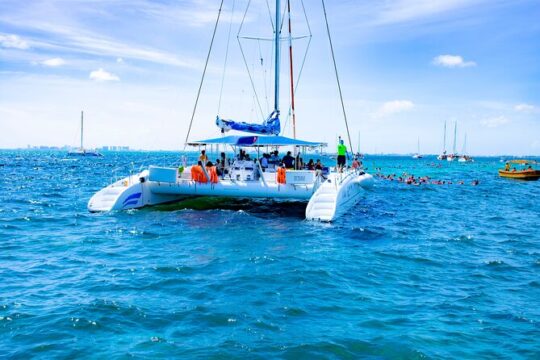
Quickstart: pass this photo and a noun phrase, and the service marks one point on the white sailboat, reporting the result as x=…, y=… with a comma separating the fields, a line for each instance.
x=417, y=155
x=81, y=151
x=464, y=157
x=453, y=156
x=443, y=156
x=328, y=194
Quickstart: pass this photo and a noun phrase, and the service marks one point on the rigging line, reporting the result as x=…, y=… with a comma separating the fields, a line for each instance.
x=238, y=37
x=204, y=73
x=243, y=19
x=337, y=76
x=250, y=78
x=310, y=37
x=264, y=77
x=270, y=15
x=226, y=57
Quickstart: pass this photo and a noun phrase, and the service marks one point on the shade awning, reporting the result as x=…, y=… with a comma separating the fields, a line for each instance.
x=254, y=141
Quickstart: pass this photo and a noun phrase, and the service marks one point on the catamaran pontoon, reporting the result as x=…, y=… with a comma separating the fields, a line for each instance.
x=328, y=195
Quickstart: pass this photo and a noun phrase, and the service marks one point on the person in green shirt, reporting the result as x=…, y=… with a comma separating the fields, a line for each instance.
x=342, y=155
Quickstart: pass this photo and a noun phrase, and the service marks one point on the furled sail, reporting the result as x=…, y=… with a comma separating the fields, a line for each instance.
x=271, y=126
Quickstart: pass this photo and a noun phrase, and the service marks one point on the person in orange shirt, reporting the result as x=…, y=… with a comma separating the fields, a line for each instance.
x=197, y=173
x=212, y=172
x=281, y=177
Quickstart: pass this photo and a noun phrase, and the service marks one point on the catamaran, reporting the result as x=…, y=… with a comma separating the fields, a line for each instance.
x=328, y=193
x=81, y=151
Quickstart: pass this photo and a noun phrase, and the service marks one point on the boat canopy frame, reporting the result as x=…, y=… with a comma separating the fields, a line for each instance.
x=257, y=141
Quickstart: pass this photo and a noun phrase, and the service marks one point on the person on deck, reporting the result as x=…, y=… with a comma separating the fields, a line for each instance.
x=342, y=155
x=318, y=165
x=288, y=160
x=212, y=173
x=355, y=164
x=264, y=161
x=203, y=158
x=311, y=165
x=507, y=167
x=197, y=173
x=299, y=162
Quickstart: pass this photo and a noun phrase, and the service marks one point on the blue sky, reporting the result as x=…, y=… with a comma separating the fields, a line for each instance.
x=406, y=67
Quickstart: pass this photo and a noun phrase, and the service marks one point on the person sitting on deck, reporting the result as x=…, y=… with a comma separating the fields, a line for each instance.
x=203, y=158
x=298, y=162
x=318, y=165
x=219, y=169
x=274, y=159
x=311, y=165
x=288, y=161
x=212, y=173
x=197, y=173
x=355, y=164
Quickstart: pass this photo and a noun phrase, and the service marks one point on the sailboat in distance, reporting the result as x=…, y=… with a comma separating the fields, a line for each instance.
x=453, y=156
x=443, y=156
x=328, y=192
x=417, y=155
x=81, y=151
x=464, y=157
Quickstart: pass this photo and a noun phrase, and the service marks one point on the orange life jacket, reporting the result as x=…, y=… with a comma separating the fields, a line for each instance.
x=281, y=175
x=211, y=170
x=197, y=174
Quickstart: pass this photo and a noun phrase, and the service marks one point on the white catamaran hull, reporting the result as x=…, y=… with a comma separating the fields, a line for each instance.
x=327, y=198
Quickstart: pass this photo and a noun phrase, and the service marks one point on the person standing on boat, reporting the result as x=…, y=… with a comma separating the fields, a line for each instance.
x=203, y=158
x=342, y=155
x=288, y=160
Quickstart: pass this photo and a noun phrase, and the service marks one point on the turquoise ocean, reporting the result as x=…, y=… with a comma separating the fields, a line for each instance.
x=432, y=271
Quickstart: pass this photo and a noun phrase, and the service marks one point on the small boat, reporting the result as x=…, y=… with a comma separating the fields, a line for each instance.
x=443, y=156
x=81, y=151
x=465, y=158
x=522, y=170
x=454, y=155
x=417, y=155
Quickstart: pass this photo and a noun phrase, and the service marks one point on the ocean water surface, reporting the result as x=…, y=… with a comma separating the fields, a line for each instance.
x=412, y=272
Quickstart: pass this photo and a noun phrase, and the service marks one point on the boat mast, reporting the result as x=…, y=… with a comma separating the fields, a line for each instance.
x=291, y=70
x=82, y=128
x=455, y=133
x=444, y=138
x=277, y=56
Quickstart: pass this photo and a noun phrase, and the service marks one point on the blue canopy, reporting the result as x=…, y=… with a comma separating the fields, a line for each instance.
x=255, y=140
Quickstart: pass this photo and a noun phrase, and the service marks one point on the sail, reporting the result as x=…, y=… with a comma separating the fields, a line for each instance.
x=271, y=126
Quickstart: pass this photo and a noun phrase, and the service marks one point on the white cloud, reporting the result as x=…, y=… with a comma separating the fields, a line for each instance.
x=119, y=60
x=53, y=62
x=393, y=107
x=452, y=61
x=102, y=75
x=495, y=121
x=524, y=107
x=13, y=41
